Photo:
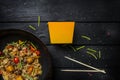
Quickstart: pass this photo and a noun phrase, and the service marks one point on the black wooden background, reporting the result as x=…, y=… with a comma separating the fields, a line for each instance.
x=98, y=19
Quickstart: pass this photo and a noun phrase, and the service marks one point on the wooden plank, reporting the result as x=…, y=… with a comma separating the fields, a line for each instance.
x=108, y=59
x=61, y=10
x=110, y=53
x=58, y=75
x=99, y=33
x=41, y=32
x=58, y=52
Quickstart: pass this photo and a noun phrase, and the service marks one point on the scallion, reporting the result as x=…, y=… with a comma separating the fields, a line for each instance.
x=33, y=45
x=38, y=21
x=32, y=27
x=91, y=54
x=81, y=47
x=86, y=37
x=92, y=50
x=2, y=57
x=73, y=48
x=99, y=53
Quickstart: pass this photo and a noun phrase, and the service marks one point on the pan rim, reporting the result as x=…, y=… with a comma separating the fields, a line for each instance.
x=49, y=73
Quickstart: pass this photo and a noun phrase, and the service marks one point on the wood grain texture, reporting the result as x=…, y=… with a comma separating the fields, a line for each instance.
x=109, y=56
x=60, y=10
x=80, y=76
x=99, y=20
x=100, y=33
x=109, y=52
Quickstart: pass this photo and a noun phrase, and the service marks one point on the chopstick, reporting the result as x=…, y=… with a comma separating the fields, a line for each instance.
x=73, y=70
x=98, y=70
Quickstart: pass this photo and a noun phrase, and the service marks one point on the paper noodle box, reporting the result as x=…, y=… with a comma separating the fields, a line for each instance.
x=61, y=32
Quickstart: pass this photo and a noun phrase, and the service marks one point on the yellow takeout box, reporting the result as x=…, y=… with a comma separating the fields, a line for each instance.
x=61, y=32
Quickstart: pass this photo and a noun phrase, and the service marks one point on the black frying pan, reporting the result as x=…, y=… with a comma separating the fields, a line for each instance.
x=8, y=36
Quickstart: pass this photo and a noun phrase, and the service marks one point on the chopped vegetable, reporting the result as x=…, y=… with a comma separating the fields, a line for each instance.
x=99, y=54
x=23, y=43
x=16, y=60
x=9, y=47
x=20, y=65
x=30, y=69
x=86, y=37
x=32, y=27
x=29, y=60
x=0, y=72
x=19, y=78
x=33, y=45
x=20, y=42
x=91, y=54
x=25, y=50
x=81, y=47
x=20, y=58
x=92, y=50
x=38, y=21
x=2, y=57
x=73, y=48
x=28, y=77
x=9, y=68
x=0, y=53
x=38, y=53
x=42, y=35
x=32, y=48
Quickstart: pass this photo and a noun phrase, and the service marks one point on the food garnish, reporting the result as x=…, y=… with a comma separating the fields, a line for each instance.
x=32, y=27
x=38, y=21
x=86, y=37
x=20, y=61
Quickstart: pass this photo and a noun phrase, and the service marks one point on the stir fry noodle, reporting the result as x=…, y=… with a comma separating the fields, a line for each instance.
x=20, y=61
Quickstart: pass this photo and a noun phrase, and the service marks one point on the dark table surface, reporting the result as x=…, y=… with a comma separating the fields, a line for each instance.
x=98, y=19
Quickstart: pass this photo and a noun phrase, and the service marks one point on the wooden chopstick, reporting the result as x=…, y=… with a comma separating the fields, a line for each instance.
x=98, y=70
x=73, y=70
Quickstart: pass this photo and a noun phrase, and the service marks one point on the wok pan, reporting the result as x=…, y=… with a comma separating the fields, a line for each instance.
x=10, y=35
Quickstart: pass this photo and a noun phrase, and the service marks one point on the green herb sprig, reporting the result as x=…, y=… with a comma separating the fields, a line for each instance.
x=86, y=37
x=32, y=27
